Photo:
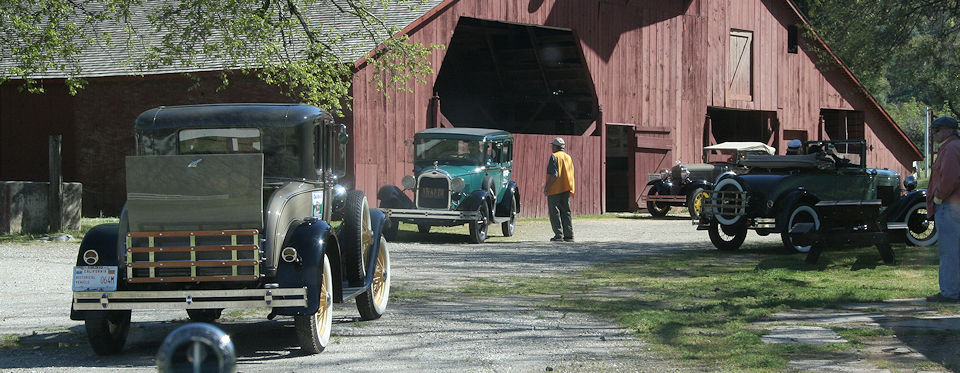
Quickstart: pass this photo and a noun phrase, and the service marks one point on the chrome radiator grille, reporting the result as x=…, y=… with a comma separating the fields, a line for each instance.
x=193, y=256
x=433, y=192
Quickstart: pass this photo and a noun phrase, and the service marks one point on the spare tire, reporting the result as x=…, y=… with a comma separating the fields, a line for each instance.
x=727, y=185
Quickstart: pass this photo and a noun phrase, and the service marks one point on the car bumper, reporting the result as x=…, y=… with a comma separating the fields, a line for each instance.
x=189, y=299
x=679, y=199
x=437, y=217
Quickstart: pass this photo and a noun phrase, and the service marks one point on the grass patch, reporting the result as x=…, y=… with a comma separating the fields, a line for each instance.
x=696, y=307
x=9, y=341
x=86, y=224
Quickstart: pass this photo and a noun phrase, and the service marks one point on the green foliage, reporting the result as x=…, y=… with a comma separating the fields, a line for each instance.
x=904, y=52
x=274, y=39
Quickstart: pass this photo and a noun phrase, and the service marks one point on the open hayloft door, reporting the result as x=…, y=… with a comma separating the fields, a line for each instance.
x=723, y=124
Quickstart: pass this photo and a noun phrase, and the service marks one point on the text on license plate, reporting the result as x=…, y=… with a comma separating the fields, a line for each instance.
x=434, y=192
x=95, y=278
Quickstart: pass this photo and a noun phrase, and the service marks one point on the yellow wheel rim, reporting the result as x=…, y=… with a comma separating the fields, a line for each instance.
x=698, y=202
x=380, y=276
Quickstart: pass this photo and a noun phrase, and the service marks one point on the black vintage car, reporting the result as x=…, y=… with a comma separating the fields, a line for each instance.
x=781, y=192
x=683, y=185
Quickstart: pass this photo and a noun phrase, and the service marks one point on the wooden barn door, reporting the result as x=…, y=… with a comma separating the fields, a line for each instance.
x=652, y=151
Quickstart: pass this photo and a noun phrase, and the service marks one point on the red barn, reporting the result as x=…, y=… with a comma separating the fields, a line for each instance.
x=632, y=85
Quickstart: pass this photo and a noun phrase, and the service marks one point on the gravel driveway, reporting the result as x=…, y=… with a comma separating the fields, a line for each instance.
x=449, y=334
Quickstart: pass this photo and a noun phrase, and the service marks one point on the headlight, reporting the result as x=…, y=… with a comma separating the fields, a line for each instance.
x=684, y=172
x=91, y=257
x=457, y=184
x=910, y=183
x=665, y=174
x=408, y=182
x=289, y=254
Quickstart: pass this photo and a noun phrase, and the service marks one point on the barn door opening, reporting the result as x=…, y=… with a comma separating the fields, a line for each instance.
x=518, y=78
x=742, y=125
x=619, y=152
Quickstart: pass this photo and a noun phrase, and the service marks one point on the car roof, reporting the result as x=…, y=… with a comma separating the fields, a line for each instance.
x=463, y=133
x=228, y=115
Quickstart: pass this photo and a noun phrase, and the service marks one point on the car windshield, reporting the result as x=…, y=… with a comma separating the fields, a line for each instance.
x=448, y=151
x=219, y=140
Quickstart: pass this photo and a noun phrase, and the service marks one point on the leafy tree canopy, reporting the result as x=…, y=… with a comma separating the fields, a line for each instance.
x=306, y=47
x=906, y=53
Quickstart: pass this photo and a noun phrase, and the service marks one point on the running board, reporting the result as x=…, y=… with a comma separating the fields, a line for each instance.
x=350, y=292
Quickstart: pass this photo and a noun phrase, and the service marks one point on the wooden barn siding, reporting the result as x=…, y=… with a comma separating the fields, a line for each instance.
x=654, y=64
x=97, y=127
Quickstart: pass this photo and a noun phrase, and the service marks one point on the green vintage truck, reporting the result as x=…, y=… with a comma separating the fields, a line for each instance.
x=460, y=176
x=234, y=206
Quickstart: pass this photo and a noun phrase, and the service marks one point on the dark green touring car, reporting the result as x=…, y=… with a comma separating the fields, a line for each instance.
x=782, y=191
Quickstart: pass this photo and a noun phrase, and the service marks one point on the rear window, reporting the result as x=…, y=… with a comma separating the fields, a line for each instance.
x=219, y=141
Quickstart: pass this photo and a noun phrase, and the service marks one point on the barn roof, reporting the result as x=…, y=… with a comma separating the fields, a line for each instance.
x=109, y=60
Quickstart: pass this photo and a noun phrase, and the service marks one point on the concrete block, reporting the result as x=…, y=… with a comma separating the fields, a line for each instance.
x=23, y=206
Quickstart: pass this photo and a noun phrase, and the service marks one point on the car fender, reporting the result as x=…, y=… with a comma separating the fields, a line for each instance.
x=898, y=212
x=511, y=192
x=474, y=200
x=312, y=238
x=785, y=202
x=661, y=186
x=730, y=174
x=378, y=221
x=693, y=185
x=105, y=239
x=391, y=196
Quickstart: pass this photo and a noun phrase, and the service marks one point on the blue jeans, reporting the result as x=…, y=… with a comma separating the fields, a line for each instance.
x=947, y=219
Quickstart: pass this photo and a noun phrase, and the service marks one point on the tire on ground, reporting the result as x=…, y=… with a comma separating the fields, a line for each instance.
x=801, y=213
x=509, y=227
x=695, y=203
x=727, y=237
x=313, y=330
x=372, y=304
x=655, y=209
x=919, y=231
x=207, y=315
x=107, y=335
x=478, y=229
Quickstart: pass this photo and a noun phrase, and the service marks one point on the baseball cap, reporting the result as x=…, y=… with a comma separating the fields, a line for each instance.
x=945, y=122
x=559, y=141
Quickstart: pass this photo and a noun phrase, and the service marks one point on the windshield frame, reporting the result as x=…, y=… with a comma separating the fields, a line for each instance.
x=449, y=151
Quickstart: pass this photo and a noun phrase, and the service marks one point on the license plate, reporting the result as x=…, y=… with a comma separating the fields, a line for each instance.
x=95, y=278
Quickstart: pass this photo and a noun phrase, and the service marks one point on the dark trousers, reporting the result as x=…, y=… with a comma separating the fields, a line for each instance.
x=558, y=206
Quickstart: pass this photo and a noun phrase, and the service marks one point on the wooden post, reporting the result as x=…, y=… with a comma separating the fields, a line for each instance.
x=55, y=197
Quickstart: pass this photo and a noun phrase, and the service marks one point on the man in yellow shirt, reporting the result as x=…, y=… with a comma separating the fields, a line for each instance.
x=558, y=189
